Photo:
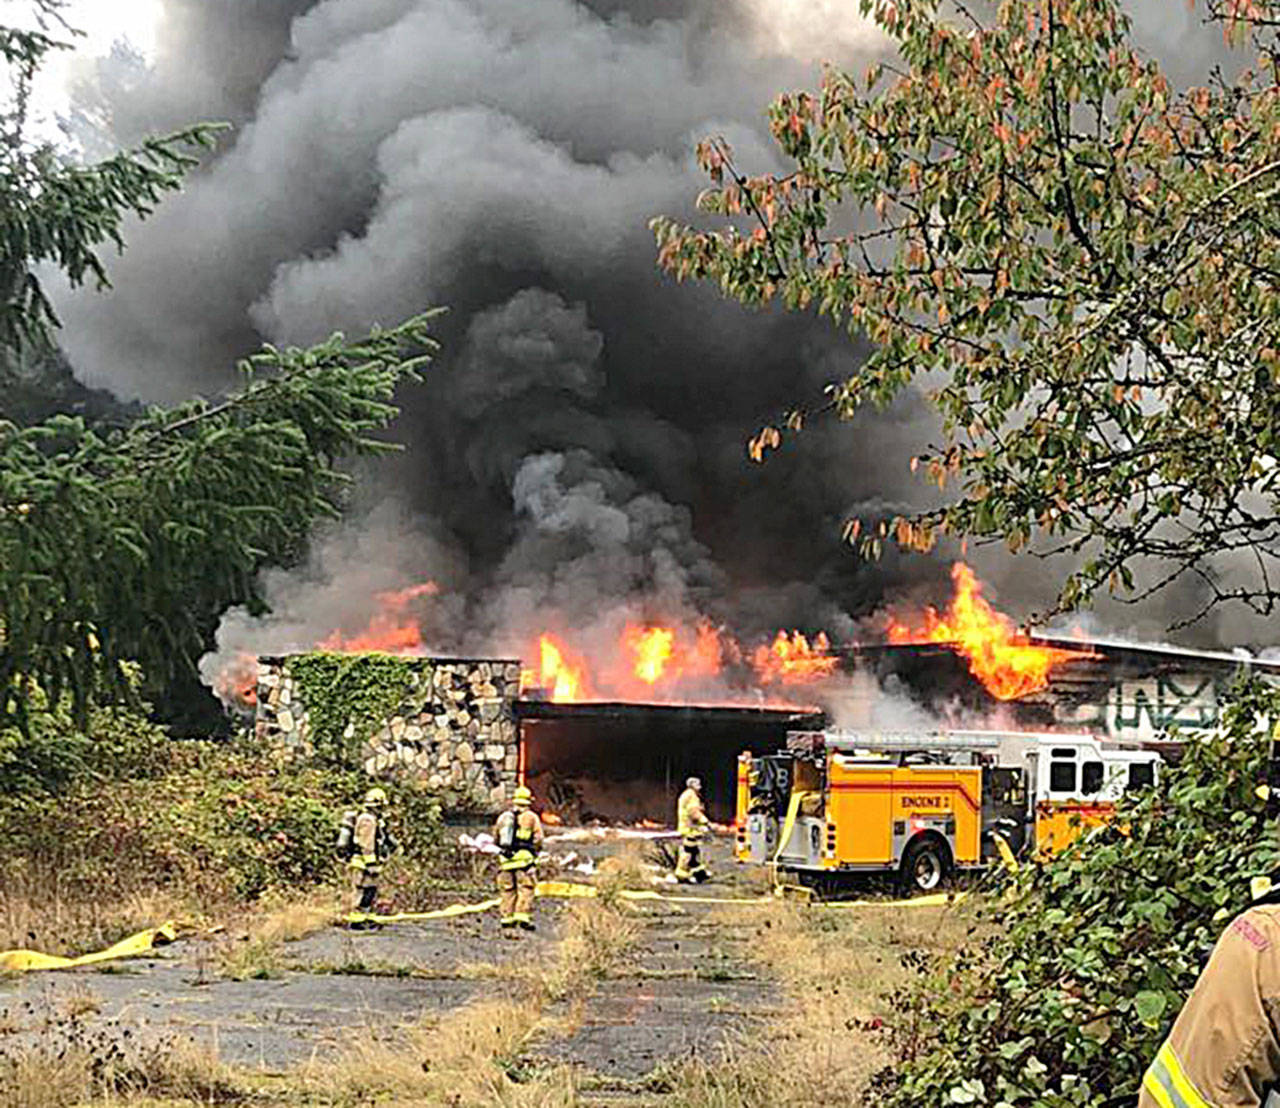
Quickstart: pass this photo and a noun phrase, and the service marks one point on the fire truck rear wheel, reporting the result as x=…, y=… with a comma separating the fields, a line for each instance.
x=925, y=865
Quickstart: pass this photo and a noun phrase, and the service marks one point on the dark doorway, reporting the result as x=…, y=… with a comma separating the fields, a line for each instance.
x=628, y=762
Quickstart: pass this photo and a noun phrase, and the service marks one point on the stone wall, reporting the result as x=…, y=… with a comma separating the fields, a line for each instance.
x=446, y=721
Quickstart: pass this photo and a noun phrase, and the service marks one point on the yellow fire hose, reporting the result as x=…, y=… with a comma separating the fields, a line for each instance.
x=20, y=961
x=24, y=961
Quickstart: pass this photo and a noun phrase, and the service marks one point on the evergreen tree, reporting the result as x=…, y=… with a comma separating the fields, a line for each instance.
x=125, y=541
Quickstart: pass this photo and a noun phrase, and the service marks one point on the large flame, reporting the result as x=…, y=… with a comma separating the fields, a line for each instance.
x=792, y=659
x=677, y=663
x=1005, y=660
x=653, y=648
x=560, y=680
x=391, y=630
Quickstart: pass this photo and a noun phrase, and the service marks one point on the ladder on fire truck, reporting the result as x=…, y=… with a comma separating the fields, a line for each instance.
x=890, y=741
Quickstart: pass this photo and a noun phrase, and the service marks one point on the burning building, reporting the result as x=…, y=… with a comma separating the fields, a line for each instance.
x=612, y=733
x=970, y=662
x=464, y=729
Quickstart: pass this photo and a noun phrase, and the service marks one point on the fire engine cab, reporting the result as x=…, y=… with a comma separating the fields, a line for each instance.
x=837, y=803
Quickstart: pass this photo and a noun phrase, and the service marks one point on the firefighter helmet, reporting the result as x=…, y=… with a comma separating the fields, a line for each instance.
x=375, y=798
x=522, y=797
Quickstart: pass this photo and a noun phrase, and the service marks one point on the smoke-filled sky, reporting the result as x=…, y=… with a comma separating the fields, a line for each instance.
x=576, y=456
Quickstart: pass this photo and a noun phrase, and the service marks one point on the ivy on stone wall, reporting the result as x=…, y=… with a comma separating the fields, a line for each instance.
x=357, y=690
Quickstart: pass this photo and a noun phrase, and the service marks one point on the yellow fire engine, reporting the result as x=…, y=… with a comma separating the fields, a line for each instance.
x=924, y=805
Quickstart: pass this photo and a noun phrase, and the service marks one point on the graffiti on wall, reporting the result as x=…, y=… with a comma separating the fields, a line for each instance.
x=1146, y=708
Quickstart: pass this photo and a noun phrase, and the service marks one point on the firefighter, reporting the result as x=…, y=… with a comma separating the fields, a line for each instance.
x=518, y=834
x=691, y=823
x=1224, y=1049
x=372, y=845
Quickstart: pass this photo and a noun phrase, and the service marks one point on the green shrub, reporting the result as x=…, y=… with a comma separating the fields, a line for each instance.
x=216, y=821
x=54, y=753
x=1087, y=958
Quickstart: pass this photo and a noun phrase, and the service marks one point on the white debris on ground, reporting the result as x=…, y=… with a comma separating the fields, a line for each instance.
x=484, y=843
x=588, y=834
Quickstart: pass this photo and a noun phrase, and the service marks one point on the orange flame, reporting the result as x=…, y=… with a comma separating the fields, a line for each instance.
x=561, y=681
x=671, y=664
x=1005, y=660
x=392, y=630
x=792, y=660
x=653, y=648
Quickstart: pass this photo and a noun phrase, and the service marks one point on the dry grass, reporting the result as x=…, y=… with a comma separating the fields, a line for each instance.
x=37, y=914
x=628, y=869
x=81, y=1001
x=286, y=920
x=250, y=958
x=70, y=1065
x=597, y=936
x=837, y=966
x=465, y=1059
x=255, y=949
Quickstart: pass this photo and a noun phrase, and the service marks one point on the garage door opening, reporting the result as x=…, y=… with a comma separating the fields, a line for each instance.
x=627, y=763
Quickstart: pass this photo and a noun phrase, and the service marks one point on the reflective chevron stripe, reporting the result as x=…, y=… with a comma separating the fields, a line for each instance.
x=1170, y=1086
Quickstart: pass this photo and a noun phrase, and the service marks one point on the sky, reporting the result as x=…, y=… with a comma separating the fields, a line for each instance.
x=102, y=25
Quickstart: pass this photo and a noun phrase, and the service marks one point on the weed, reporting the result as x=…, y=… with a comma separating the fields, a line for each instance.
x=624, y=870
x=69, y=1064
x=837, y=967
x=467, y=1058
x=81, y=1002
x=251, y=958
x=596, y=937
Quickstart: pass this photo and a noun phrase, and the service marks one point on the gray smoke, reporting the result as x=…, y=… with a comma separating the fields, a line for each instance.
x=577, y=453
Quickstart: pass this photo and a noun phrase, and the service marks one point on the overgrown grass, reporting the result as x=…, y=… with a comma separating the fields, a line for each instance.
x=465, y=1058
x=38, y=911
x=837, y=967
x=597, y=936
x=210, y=829
x=471, y=1057
x=71, y=1064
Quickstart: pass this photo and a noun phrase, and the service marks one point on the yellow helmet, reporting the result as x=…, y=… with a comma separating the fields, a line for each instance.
x=522, y=797
x=375, y=798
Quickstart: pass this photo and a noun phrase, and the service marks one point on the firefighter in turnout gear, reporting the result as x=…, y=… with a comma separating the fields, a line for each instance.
x=691, y=823
x=1224, y=1048
x=371, y=846
x=518, y=834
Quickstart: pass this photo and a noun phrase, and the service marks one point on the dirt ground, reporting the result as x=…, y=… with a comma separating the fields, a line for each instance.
x=687, y=987
x=682, y=990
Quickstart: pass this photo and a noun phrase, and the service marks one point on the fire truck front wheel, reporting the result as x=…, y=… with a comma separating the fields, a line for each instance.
x=925, y=865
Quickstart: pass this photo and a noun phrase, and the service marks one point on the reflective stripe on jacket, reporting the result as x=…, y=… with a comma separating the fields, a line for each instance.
x=1224, y=1048
x=1168, y=1084
x=691, y=821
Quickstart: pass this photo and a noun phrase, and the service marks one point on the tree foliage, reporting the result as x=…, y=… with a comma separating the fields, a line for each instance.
x=1086, y=960
x=1081, y=264
x=54, y=212
x=123, y=543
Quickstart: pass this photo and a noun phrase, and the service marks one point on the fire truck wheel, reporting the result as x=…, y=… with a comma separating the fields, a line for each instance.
x=924, y=865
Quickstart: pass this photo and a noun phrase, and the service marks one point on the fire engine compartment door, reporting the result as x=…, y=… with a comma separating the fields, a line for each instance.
x=860, y=805
x=769, y=792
